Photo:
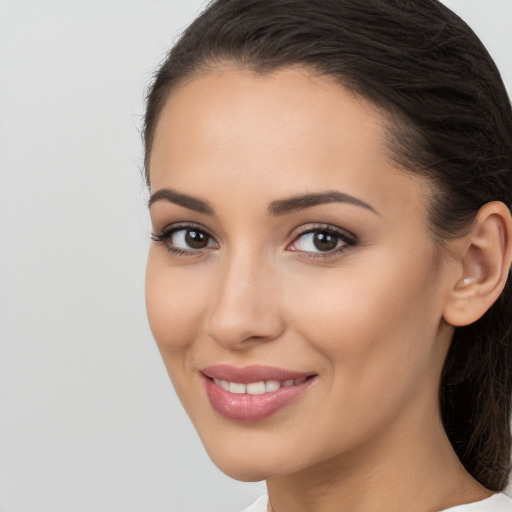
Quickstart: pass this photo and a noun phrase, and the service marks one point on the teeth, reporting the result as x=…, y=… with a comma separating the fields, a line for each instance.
x=235, y=387
x=224, y=384
x=272, y=385
x=257, y=388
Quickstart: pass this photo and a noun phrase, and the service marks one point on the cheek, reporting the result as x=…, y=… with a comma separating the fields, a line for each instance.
x=174, y=305
x=377, y=323
x=376, y=334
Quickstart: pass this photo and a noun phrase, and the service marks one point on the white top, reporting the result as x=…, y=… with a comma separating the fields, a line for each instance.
x=496, y=503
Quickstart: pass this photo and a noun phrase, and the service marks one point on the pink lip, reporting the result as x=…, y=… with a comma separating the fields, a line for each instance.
x=253, y=373
x=246, y=407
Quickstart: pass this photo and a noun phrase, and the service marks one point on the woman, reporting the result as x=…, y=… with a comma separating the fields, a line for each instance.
x=329, y=283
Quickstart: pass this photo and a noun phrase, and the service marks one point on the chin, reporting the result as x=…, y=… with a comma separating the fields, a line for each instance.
x=241, y=466
x=253, y=462
x=244, y=474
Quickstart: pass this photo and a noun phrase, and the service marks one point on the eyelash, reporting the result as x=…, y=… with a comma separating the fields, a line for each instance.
x=164, y=236
x=349, y=240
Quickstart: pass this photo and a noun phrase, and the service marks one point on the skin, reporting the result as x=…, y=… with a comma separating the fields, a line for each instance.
x=367, y=320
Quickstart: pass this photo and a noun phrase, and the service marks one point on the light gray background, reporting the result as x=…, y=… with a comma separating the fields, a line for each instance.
x=88, y=419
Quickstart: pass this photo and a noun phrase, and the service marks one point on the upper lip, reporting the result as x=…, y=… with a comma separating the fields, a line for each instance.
x=253, y=373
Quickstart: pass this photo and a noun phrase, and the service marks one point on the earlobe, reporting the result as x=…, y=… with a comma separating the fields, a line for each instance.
x=484, y=259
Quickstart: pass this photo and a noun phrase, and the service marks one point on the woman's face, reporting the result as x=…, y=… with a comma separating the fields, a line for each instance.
x=293, y=264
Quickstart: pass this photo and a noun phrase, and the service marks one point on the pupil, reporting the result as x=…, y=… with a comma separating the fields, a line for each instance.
x=325, y=241
x=196, y=239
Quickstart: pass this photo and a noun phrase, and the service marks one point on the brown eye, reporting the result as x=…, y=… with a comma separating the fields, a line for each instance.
x=190, y=238
x=180, y=240
x=319, y=241
x=325, y=241
x=195, y=239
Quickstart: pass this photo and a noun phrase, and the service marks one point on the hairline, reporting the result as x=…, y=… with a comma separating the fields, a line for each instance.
x=394, y=121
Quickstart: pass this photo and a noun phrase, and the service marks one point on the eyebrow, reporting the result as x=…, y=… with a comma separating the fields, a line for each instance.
x=301, y=202
x=192, y=203
x=276, y=208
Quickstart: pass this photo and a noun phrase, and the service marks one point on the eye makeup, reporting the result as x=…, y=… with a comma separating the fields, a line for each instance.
x=322, y=241
x=313, y=240
x=185, y=239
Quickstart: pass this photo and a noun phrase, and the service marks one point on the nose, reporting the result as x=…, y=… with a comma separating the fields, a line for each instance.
x=245, y=304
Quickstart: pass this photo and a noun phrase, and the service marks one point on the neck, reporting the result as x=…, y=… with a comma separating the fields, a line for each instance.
x=411, y=466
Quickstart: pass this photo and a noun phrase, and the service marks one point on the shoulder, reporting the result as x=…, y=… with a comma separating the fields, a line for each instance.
x=496, y=503
x=260, y=505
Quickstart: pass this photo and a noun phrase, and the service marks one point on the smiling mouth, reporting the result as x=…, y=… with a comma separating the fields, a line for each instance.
x=253, y=393
x=257, y=388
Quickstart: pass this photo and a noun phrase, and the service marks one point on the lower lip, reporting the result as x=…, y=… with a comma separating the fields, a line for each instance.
x=246, y=407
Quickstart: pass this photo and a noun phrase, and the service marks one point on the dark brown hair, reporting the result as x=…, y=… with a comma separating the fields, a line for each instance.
x=451, y=121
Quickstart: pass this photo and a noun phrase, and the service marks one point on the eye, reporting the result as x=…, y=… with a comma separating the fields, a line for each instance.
x=326, y=240
x=190, y=239
x=185, y=239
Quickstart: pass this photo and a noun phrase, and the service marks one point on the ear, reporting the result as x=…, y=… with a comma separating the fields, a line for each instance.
x=483, y=259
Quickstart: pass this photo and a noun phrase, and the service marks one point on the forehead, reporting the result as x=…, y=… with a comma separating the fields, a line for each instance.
x=288, y=130
x=236, y=104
